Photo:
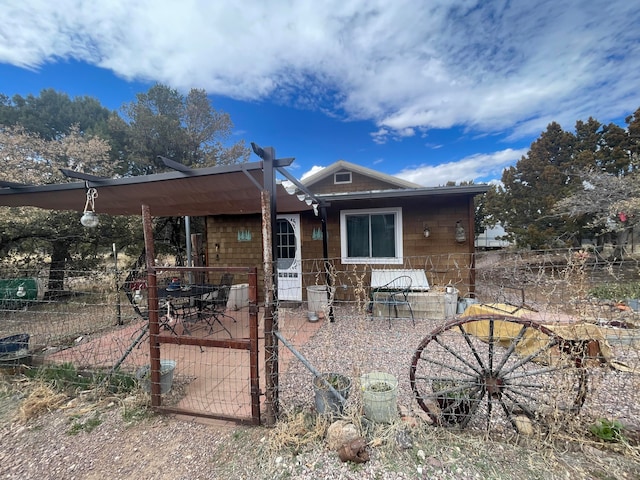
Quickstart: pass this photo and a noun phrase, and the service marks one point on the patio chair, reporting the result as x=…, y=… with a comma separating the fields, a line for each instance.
x=213, y=305
x=392, y=295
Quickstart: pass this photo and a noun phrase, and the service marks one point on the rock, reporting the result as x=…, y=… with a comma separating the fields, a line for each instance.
x=354, y=451
x=404, y=440
x=523, y=424
x=339, y=433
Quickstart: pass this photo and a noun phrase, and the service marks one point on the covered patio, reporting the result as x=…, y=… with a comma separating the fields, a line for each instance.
x=247, y=188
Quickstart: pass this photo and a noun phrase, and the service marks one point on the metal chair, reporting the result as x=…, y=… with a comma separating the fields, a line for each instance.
x=394, y=294
x=213, y=305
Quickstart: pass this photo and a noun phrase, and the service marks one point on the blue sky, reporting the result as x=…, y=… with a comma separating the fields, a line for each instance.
x=431, y=91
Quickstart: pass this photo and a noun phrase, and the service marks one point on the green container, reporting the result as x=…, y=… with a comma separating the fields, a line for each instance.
x=380, y=397
x=17, y=290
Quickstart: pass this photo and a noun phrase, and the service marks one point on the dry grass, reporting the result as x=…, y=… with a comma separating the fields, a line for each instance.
x=416, y=447
x=42, y=398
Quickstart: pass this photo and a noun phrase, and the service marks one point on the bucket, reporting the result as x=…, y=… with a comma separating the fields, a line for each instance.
x=379, y=396
x=326, y=401
x=238, y=296
x=167, y=367
x=317, y=298
x=14, y=345
x=464, y=303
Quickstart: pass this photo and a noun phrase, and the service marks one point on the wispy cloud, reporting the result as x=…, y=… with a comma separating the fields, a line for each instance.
x=479, y=168
x=406, y=66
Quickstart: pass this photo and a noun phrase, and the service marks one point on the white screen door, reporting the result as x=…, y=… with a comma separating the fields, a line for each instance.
x=289, y=263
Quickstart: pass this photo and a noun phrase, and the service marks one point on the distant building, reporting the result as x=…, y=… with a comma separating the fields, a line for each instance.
x=490, y=238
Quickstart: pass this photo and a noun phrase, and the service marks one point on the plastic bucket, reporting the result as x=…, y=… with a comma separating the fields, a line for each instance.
x=379, y=396
x=167, y=368
x=14, y=350
x=326, y=401
x=238, y=296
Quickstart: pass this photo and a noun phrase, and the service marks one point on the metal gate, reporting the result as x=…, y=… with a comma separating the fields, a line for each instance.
x=203, y=365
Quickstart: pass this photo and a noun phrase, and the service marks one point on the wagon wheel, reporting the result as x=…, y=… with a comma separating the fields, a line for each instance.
x=489, y=371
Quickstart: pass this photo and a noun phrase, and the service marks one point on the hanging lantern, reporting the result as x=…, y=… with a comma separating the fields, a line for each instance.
x=461, y=235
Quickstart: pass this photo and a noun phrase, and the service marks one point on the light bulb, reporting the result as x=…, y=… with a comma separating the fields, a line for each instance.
x=289, y=187
x=89, y=219
x=137, y=296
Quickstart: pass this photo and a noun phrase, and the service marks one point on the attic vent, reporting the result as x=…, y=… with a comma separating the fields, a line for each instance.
x=342, y=177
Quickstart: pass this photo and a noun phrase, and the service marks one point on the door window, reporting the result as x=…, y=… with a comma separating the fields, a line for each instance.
x=286, y=244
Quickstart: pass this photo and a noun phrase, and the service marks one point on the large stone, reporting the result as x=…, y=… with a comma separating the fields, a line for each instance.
x=339, y=433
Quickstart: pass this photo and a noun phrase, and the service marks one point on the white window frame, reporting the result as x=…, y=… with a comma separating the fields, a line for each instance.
x=397, y=260
x=337, y=182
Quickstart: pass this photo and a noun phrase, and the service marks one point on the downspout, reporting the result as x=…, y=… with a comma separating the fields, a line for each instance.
x=472, y=247
x=187, y=234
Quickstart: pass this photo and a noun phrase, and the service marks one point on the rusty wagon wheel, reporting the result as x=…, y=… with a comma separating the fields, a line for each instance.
x=492, y=371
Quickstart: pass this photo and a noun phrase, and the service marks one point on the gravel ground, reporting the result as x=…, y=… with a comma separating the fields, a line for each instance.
x=120, y=439
x=161, y=447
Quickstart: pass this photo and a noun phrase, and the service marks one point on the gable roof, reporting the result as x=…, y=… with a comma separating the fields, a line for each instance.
x=398, y=188
x=342, y=165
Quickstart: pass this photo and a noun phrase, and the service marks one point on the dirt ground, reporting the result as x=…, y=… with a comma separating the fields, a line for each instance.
x=119, y=438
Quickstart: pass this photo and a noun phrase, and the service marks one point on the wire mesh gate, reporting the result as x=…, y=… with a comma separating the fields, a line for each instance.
x=213, y=357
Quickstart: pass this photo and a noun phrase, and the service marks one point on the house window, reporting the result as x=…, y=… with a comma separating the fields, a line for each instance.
x=342, y=177
x=371, y=236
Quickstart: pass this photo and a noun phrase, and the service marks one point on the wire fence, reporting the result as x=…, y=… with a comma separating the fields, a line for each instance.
x=534, y=342
x=541, y=342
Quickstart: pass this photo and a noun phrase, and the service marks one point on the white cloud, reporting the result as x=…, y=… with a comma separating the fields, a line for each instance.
x=489, y=66
x=315, y=169
x=481, y=168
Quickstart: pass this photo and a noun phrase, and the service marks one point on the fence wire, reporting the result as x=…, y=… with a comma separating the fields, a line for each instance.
x=471, y=374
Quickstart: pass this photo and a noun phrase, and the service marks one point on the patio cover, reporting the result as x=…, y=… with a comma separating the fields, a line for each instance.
x=229, y=189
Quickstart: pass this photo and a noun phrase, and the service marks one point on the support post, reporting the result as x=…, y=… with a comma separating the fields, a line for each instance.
x=270, y=317
x=270, y=254
x=152, y=291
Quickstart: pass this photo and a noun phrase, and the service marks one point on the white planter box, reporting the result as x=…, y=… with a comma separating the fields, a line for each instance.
x=429, y=305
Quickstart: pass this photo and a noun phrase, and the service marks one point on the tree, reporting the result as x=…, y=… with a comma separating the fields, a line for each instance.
x=42, y=134
x=185, y=129
x=552, y=170
x=30, y=159
x=531, y=188
x=611, y=204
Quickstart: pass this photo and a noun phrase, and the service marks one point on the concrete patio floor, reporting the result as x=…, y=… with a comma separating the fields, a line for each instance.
x=206, y=381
